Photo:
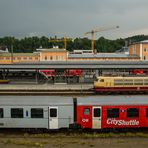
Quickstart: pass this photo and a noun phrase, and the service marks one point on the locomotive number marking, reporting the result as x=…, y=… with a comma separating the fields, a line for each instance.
x=85, y=120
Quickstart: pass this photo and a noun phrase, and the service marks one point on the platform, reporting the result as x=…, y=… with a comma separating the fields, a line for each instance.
x=61, y=86
x=45, y=89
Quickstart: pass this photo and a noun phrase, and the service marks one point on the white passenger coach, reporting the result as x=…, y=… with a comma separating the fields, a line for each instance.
x=49, y=112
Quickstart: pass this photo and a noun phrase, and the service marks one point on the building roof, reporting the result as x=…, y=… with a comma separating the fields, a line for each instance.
x=102, y=64
x=123, y=50
x=144, y=41
x=3, y=49
x=19, y=54
x=102, y=55
x=140, y=42
x=54, y=49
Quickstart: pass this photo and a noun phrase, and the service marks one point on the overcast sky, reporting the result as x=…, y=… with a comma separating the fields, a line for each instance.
x=73, y=18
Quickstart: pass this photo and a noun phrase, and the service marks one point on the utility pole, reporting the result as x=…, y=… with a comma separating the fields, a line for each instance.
x=12, y=54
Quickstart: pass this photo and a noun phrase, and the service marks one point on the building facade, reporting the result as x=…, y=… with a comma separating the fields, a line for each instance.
x=52, y=54
x=56, y=54
x=8, y=58
x=140, y=49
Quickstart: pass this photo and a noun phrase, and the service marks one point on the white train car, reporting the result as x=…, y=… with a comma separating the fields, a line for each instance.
x=47, y=112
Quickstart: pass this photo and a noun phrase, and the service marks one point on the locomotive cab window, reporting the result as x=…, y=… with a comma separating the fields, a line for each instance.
x=86, y=111
x=37, y=113
x=97, y=112
x=17, y=113
x=113, y=113
x=1, y=113
x=101, y=80
x=132, y=112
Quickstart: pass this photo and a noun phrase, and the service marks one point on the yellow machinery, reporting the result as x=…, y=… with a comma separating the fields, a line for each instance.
x=4, y=81
x=92, y=32
x=65, y=40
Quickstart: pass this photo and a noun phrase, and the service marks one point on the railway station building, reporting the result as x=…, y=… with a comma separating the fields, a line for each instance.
x=57, y=54
x=52, y=54
x=139, y=49
x=102, y=56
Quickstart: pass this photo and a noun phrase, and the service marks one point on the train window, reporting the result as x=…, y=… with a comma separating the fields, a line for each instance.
x=1, y=113
x=118, y=82
x=97, y=112
x=132, y=112
x=86, y=111
x=17, y=113
x=26, y=113
x=53, y=112
x=37, y=113
x=147, y=112
x=138, y=82
x=101, y=80
x=113, y=113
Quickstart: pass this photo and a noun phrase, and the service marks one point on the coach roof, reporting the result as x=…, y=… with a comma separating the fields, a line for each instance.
x=113, y=100
x=35, y=100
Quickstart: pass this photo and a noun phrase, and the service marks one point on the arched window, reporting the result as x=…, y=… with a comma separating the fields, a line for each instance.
x=56, y=57
x=45, y=58
x=51, y=57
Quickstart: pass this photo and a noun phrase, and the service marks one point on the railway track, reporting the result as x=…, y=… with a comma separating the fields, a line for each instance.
x=46, y=92
x=64, y=92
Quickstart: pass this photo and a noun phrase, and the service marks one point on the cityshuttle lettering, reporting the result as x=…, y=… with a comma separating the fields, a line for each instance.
x=122, y=122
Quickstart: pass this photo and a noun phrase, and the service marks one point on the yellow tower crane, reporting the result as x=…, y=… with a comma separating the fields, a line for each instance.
x=92, y=32
x=65, y=40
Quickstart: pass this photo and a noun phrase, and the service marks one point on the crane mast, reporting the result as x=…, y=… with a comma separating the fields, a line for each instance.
x=92, y=32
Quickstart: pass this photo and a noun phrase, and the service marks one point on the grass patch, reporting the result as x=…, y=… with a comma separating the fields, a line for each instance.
x=121, y=141
x=24, y=143
x=88, y=135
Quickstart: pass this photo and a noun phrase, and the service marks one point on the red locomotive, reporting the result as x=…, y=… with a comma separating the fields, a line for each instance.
x=49, y=73
x=73, y=72
x=139, y=72
x=67, y=73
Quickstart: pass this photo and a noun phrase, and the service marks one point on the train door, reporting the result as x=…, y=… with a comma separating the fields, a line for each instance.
x=53, y=117
x=96, y=117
